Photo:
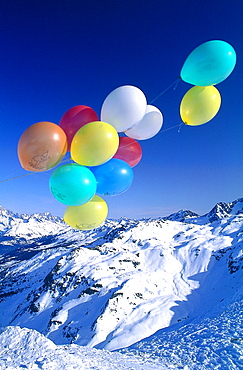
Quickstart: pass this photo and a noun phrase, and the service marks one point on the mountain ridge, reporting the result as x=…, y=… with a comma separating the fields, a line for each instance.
x=222, y=210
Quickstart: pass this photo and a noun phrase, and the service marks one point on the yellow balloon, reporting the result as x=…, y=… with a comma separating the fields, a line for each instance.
x=94, y=144
x=88, y=216
x=199, y=105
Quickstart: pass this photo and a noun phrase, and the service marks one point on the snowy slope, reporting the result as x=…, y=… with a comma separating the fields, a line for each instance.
x=125, y=281
x=213, y=340
x=28, y=349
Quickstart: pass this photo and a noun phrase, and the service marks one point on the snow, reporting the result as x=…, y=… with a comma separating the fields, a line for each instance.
x=164, y=293
x=214, y=341
x=28, y=349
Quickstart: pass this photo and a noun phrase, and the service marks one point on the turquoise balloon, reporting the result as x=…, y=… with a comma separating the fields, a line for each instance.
x=113, y=177
x=73, y=184
x=210, y=63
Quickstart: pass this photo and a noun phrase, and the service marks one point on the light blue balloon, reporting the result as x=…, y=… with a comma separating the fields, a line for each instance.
x=113, y=177
x=210, y=63
x=73, y=184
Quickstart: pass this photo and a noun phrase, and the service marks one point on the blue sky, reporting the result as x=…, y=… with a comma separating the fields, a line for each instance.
x=58, y=54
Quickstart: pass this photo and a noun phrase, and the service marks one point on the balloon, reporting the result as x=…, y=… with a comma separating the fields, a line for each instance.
x=129, y=150
x=149, y=125
x=94, y=144
x=75, y=118
x=210, y=63
x=199, y=105
x=42, y=146
x=124, y=107
x=72, y=184
x=87, y=216
x=113, y=177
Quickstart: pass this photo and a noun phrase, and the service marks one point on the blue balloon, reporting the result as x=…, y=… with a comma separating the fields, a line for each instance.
x=210, y=63
x=73, y=184
x=113, y=177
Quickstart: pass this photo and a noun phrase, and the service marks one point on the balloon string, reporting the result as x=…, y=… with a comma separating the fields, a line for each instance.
x=31, y=173
x=170, y=128
x=179, y=129
x=169, y=87
x=17, y=177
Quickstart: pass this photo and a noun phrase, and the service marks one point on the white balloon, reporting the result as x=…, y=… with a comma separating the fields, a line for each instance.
x=124, y=107
x=148, y=126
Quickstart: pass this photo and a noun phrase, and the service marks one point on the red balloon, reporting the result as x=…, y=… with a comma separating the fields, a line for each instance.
x=75, y=118
x=129, y=150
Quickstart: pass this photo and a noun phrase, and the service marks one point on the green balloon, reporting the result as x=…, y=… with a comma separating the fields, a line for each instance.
x=210, y=63
x=73, y=184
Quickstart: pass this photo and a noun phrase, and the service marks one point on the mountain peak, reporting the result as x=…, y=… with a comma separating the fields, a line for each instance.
x=222, y=210
x=181, y=215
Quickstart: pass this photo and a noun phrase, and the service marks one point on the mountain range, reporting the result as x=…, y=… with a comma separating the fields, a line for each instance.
x=151, y=287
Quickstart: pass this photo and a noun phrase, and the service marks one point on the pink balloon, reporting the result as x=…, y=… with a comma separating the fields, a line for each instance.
x=129, y=150
x=75, y=118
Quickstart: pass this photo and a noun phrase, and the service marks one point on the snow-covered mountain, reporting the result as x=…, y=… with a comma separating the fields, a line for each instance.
x=128, y=280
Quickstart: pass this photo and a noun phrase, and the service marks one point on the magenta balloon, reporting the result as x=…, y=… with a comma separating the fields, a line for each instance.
x=129, y=150
x=75, y=118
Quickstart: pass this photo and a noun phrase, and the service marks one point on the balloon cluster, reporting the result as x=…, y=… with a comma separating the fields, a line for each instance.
x=102, y=161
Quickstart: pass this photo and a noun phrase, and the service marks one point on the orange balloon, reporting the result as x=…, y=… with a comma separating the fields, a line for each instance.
x=42, y=146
